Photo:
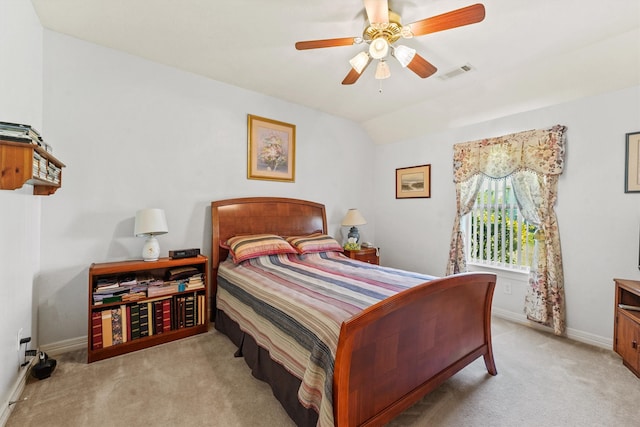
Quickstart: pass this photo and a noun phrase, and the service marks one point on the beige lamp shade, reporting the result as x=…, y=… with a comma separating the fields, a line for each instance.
x=353, y=217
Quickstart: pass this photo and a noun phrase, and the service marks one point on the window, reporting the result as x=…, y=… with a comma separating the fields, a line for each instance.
x=497, y=233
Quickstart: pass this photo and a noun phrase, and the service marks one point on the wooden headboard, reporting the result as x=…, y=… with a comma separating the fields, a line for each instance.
x=254, y=215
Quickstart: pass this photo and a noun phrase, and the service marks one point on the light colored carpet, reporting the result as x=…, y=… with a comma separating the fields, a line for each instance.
x=542, y=381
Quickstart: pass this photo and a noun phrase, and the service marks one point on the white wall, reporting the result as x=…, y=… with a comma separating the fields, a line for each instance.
x=599, y=223
x=135, y=134
x=20, y=101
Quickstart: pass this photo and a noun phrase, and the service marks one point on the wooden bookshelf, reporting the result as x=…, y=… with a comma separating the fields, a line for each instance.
x=156, y=269
x=22, y=163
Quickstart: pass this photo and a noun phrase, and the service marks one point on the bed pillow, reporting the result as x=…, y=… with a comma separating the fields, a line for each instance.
x=316, y=242
x=255, y=245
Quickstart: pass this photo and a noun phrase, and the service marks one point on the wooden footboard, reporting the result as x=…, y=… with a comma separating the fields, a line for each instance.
x=395, y=352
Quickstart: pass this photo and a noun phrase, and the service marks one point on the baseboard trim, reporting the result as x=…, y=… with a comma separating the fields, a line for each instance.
x=574, y=334
x=18, y=388
x=64, y=346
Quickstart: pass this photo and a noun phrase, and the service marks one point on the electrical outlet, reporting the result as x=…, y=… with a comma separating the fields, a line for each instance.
x=506, y=288
x=18, y=340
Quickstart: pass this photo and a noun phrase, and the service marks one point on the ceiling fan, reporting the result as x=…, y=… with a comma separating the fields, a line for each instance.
x=385, y=29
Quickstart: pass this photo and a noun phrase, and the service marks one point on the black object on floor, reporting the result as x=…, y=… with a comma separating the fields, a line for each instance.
x=44, y=367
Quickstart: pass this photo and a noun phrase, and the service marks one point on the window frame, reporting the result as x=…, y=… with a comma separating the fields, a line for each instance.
x=499, y=198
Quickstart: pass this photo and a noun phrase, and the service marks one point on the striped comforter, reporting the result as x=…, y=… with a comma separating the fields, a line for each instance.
x=294, y=305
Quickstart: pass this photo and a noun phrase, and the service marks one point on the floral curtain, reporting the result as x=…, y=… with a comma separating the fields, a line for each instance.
x=534, y=160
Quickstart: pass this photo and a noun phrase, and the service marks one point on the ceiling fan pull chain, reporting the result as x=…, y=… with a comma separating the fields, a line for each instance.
x=380, y=86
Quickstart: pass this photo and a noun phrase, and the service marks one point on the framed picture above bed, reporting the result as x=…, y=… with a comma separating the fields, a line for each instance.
x=271, y=149
x=413, y=182
x=632, y=164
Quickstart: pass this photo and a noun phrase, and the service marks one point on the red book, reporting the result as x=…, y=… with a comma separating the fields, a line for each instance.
x=96, y=330
x=166, y=315
x=157, y=317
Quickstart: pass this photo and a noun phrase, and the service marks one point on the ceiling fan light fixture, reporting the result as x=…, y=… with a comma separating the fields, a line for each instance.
x=405, y=32
x=379, y=48
x=403, y=54
x=382, y=70
x=359, y=61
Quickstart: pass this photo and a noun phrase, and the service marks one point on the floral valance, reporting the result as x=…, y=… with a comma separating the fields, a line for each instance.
x=540, y=151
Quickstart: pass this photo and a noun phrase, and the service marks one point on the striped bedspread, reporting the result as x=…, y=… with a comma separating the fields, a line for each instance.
x=294, y=305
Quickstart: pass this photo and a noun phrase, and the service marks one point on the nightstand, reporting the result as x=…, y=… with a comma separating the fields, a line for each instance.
x=369, y=255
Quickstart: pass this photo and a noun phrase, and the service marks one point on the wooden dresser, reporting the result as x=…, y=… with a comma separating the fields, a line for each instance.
x=626, y=330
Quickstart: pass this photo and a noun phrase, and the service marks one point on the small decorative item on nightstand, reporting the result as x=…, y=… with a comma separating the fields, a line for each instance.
x=352, y=244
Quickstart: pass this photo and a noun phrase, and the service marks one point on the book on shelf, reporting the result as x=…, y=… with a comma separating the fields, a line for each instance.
x=203, y=311
x=164, y=289
x=106, y=328
x=151, y=318
x=21, y=126
x=144, y=320
x=179, y=273
x=108, y=299
x=158, y=327
x=19, y=129
x=127, y=309
x=629, y=307
x=189, y=311
x=8, y=136
x=134, y=296
x=116, y=326
x=135, y=321
x=124, y=319
x=96, y=330
x=195, y=282
x=166, y=314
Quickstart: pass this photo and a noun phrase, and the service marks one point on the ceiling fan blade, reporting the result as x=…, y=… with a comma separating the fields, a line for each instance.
x=377, y=11
x=421, y=66
x=315, y=44
x=353, y=75
x=456, y=18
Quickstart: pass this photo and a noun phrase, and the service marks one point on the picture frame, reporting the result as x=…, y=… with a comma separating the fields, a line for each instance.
x=632, y=163
x=271, y=149
x=413, y=182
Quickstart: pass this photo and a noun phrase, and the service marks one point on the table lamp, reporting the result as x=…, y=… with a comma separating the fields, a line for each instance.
x=352, y=219
x=150, y=223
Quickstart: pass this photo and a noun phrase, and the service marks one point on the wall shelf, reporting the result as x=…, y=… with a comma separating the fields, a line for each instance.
x=22, y=163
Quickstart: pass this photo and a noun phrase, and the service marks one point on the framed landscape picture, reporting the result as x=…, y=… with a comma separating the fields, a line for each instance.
x=632, y=163
x=413, y=182
x=272, y=149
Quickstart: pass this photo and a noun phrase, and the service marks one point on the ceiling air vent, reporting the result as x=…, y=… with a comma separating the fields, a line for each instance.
x=456, y=72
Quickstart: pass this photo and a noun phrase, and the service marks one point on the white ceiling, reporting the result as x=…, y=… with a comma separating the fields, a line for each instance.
x=526, y=54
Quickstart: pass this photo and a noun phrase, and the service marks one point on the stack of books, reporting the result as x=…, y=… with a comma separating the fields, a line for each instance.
x=19, y=132
x=133, y=288
x=160, y=287
x=108, y=290
x=195, y=282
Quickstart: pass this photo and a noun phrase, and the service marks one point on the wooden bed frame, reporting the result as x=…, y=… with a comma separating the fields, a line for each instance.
x=393, y=353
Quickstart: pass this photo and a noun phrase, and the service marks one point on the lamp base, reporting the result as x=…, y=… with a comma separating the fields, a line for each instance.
x=353, y=232
x=151, y=249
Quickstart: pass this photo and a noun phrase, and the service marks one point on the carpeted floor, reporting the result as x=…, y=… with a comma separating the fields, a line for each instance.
x=542, y=381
